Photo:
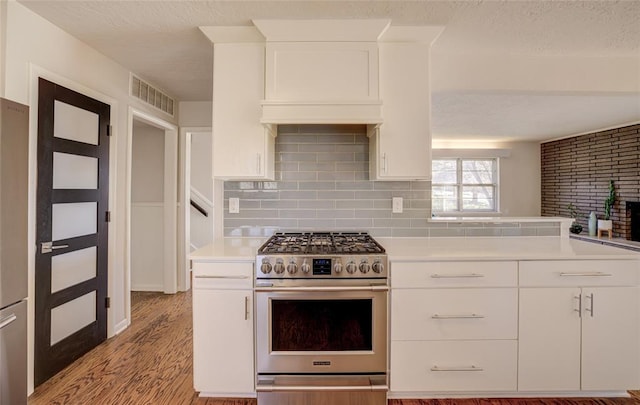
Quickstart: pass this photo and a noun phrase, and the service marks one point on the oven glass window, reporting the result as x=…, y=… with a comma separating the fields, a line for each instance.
x=322, y=325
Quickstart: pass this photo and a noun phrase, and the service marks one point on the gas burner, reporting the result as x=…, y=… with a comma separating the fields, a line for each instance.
x=321, y=255
x=321, y=243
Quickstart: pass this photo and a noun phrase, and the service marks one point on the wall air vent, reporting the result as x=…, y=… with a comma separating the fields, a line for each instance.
x=151, y=95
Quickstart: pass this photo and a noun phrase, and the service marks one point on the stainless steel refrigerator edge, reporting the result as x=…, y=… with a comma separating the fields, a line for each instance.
x=14, y=183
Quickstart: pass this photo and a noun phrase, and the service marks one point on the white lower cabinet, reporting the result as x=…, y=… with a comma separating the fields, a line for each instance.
x=579, y=326
x=454, y=327
x=454, y=366
x=542, y=327
x=579, y=339
x=223, y=354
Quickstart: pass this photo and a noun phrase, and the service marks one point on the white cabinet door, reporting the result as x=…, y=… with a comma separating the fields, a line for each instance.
x=610, y=341
x=574, y=339
x=549, y=339
x=223, y=342
x=242, y=147
x=401, y=146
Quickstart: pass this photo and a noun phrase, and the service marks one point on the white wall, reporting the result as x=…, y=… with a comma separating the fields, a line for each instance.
x=201, y=232
x=198, y=114
x=520, y=180
x=195, y=113
x=3, y=43
x=35, y=46
x=147, y=208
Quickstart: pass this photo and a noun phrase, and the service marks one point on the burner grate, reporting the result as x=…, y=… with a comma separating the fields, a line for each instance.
x=321, y=243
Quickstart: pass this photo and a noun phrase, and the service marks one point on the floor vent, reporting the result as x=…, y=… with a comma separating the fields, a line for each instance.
x=151, y=95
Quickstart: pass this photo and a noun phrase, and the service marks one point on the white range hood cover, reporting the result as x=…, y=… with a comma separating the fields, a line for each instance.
x=322, y=71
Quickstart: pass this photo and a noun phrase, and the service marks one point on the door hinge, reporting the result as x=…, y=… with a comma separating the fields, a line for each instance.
x=108, y=130
x=107, y=302
x=107, y=216
x=190, y=264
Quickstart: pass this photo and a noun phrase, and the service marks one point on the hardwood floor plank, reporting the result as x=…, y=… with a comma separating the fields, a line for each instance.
x=151, y=362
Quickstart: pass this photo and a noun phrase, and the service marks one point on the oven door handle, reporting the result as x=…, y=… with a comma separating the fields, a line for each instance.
x=274, y=385
x=272, y=388
x=375, y=288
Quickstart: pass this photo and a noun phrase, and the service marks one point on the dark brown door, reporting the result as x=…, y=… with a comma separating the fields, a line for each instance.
x=71, y=227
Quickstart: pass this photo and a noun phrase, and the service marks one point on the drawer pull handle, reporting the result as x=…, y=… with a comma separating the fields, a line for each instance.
x=462, y=316
x=586, y=274
x=469, y=275
x=225, y=277
x=469, y=368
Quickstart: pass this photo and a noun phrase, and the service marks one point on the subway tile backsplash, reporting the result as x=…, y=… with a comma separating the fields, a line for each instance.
x=322, y=183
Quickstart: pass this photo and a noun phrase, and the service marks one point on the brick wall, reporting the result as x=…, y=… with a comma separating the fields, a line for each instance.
x=577, y=170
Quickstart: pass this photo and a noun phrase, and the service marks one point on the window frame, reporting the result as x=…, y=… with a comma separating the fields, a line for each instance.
x=459, y=185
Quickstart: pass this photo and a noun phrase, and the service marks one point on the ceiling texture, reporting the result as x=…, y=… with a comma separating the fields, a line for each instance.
x=501, y=70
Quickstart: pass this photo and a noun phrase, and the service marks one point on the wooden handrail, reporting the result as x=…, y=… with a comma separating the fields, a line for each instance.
x=199, y=208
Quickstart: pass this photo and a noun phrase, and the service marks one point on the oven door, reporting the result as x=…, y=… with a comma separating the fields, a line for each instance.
x=321, y=330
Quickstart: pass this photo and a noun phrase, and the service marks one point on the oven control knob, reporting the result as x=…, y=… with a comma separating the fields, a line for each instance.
x=365, y=266
x=292, y=267
x=305, y=267
x=351, y=267
x=279, y=267
x=266, y=266
x=377, y=266
x=337, y=267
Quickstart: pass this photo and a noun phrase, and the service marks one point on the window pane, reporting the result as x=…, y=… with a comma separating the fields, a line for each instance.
x=478, y=171
x=444, y=198
x=444, y=171
x=478, y=198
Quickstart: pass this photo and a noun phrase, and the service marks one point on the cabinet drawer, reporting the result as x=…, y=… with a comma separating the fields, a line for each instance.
x=578, y=273
x=447, y=366
x=454, y=274
x=219, y=275
x=483, y=313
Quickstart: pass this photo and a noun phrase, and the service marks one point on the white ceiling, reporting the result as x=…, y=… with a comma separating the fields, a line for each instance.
x=160, y=41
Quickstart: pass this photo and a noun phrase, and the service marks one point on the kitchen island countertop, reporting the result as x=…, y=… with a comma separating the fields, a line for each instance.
x=476, y=248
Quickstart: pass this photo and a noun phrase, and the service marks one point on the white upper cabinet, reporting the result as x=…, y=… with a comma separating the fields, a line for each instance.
x=322, y=72
x=401, y=147
x=242, y=147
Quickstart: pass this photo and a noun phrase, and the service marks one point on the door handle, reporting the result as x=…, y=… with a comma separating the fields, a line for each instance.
x=47, y=247
x=590, y=307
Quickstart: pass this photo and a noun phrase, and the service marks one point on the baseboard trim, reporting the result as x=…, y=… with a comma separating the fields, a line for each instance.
x=227, y=395
x=509, y=394
x=121, y=326
x=147, y=288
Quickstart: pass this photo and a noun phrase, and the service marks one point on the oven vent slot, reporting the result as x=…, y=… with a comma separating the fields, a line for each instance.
x=151, y=95
x=322, y=363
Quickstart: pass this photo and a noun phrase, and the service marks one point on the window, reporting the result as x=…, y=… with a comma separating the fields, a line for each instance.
x=464, y=185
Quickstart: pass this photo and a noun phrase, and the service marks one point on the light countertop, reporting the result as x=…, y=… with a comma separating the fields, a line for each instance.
x=475, y=248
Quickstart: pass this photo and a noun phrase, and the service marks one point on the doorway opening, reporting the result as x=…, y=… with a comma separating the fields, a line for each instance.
x=152, y=206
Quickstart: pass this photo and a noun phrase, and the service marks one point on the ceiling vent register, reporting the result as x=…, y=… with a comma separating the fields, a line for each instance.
x=151, y=95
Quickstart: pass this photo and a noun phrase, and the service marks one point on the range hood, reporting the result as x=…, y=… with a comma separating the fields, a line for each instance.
x=324, y=71
x=321, y=71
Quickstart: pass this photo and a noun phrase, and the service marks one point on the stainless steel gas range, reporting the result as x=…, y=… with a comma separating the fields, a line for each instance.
x=321, y=319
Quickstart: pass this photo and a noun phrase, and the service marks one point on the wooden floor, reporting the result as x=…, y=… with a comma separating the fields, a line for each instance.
x=151, y=363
